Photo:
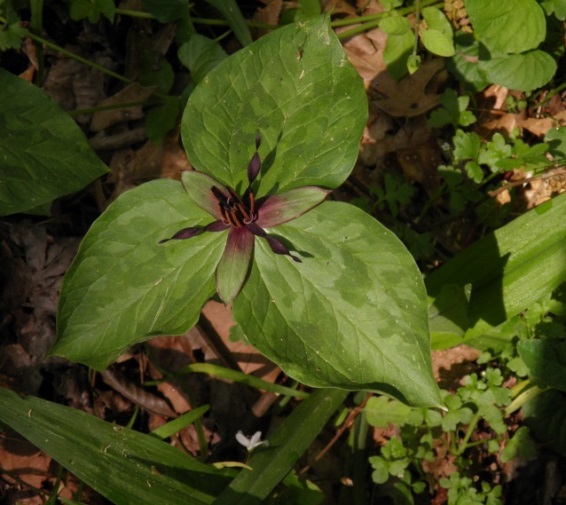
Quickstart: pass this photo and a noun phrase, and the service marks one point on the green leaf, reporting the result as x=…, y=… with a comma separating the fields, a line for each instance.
x=124, y=287
x=156, y=71
x=545, y=415
x=399, y=45
x=546, y=361
x=556, y=140
x=11, y=36
x=438, y=43
x=123, y=465
x=92, y=9
x=464, y=65
x=162, y=119
x=200, y=55
x=507, y=26
x=448, y=315
x=438, y=37
x=466, y=145
x=292, y=438
x=520, y=446
x=382, y=411
x=352, y=315
x=231, y=12
x=297, y=88
x=523, y=72
x=510, y=269
x=167, y=10
x=44, y=153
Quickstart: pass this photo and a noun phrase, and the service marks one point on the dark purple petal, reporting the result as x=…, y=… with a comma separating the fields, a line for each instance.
x=278, y=209
x=233, y=266
x=256, y=230
x=184, y=234
x=255, y=163
x=279, y=247
x=217, y=226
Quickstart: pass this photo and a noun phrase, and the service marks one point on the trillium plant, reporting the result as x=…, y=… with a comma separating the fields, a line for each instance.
x=244, y=218
x=318, y=286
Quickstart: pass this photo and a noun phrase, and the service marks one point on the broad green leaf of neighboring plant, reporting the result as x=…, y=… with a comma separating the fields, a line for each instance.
x=200, y=55
x=167, y=10
x=523, y=72
x=125, y=287
x=92, y=9
x=123, y=465
x=231, y=12
x=507, y=26
x=297, y=88
x=352, y=315
x=507, y=271
x=546, y=361
x=545, y=415
x=43, y=153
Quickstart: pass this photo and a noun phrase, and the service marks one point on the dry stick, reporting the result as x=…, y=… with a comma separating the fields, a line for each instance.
x=345, y=425
x=136, y=394
x=526, y=180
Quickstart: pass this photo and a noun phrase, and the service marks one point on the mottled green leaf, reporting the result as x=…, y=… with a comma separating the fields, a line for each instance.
x=124, y=287
x=352, y=315
x=294, y=86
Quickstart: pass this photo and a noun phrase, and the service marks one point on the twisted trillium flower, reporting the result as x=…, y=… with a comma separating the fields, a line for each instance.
x=245, y=218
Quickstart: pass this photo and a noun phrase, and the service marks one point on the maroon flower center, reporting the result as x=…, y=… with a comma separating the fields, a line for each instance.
x=237, y=212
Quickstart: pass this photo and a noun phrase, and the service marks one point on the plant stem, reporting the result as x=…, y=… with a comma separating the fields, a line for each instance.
x=134, y=13
x=36, y=24
x=472, y=426
x=117, y=106
x=523, y=397
x=76, y=57
x=202, y=21
x=372, y=20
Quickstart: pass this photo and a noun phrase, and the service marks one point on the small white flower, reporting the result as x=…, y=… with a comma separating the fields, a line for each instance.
x=251, y=443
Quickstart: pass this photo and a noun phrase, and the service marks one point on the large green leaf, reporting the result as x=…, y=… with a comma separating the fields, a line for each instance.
x=546, y=361
x=352, y=315
x=124, y=287
x=524, y=72
x=125, y=466
x=507, y=26
x=295, y=87
x=507, y=271
x=43, y=153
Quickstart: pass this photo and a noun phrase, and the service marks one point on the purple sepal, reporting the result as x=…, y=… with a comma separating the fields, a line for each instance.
x=184, y=234
x=217, y=226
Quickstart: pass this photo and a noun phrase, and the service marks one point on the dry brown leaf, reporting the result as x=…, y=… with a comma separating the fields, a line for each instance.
x=270, y=13
x=365, y=52
x=132, y=167
x=23, y=461
x=538, y=126
x=106, y=118
x=339, y=8
x=413, y=94
x=249, y=360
